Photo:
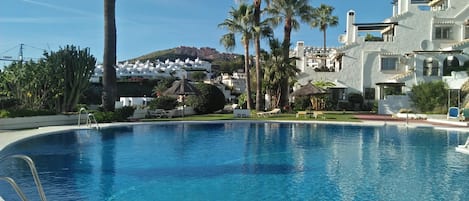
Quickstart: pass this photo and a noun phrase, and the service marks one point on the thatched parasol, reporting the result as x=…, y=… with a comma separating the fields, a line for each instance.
x=308, y=90
x=183, y=88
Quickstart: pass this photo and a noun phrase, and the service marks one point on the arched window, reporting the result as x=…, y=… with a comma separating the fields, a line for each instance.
x=451, y=63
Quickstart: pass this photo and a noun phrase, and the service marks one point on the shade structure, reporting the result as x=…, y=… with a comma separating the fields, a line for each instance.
x=183, y=88
x=312, y=91
x=308, y=90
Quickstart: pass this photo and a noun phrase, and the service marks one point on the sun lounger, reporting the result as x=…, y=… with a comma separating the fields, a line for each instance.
x=159, y=113
x=453, y=113
x=317, y=114
x=269, y=113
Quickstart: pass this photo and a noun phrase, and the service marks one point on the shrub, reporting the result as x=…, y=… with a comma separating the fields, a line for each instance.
x=208, y=101
x=4, y=114
x=104, y=116
x=163, y=102
x=302, y=103
x=428, y=96
x=9, y=103
x=28, y=113
x=122, y=114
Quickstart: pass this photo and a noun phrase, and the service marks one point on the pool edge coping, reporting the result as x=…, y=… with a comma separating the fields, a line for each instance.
x=12, y=136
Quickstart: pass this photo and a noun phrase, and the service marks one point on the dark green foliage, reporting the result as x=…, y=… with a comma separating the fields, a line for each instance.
x=428, y=96
x=198, y=75
x=163, y=102
x=302, y=103
x=9, y=103
x=105, y=117
x=76, y=67
x=25, y=113
x=209, y=100
x=121, y=114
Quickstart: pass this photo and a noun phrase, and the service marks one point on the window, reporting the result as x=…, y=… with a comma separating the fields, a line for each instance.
x=443, y=33
x=388, y=63
x=369, y=93
x=430, y=67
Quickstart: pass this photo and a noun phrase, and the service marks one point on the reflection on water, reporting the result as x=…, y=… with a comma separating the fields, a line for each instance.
x=274, y=161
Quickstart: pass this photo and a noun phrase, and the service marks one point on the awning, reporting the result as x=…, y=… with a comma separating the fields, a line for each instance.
x=374, y=26
x=391, y=83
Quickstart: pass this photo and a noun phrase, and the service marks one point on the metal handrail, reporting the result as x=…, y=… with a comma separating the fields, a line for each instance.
x=89, y=118
x=15, y=186
x=34, y=173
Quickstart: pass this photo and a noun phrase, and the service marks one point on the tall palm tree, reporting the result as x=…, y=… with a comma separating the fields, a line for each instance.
x=287, y=11
x=262, y=30
x=322, y=19
x=240, y=21
x=109, y=58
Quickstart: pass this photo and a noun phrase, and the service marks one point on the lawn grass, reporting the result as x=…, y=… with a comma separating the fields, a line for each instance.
x=333, y=116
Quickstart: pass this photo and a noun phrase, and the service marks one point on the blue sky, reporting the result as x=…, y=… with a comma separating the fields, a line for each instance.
x=144, y=26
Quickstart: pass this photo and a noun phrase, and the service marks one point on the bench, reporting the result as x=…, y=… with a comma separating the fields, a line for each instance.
x=315, y=114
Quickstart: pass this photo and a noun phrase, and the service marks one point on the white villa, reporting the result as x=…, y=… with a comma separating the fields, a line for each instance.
x=154, y=70
x=422, y=41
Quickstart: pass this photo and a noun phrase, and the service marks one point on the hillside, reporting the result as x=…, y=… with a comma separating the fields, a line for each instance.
x=182, y=52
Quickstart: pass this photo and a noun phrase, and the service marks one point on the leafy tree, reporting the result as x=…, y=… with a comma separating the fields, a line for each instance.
x=162, y=85
x=276, y=70
x=287, y=11
x=322, y=19
x=199, y=75
x=163, y=102
x=76, y=67
x=429, y=96
x=241, y=22
x=109, y=58
x=209, y=100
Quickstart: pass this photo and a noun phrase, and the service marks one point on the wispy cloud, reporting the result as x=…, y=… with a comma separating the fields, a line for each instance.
x=33, y=20
x=62, y=8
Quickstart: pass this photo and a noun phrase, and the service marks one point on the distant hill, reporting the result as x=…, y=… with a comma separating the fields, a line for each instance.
x=183, y=52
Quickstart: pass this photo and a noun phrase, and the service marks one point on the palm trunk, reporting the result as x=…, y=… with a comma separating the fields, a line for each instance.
x=286, y=59
x=259, y=76
x=248, y=76
x=324, y=52
x=109, y=58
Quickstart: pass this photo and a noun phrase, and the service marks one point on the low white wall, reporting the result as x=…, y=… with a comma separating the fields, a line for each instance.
x=39, y=121
x=393, y=103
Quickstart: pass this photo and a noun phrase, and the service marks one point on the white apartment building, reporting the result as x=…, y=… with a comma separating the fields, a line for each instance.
x=155, y=70
x=422, y=41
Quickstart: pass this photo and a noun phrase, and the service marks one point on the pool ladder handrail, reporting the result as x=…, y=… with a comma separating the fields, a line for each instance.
x=90, y=118
x=34, y=173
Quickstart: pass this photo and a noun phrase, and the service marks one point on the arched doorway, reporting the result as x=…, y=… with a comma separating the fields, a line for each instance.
x=451, y=63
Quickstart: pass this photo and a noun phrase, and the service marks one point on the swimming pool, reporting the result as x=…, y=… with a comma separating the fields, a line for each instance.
x=244, y=161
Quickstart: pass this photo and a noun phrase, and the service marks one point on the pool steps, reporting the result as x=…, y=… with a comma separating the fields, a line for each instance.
x=34, y=173
x=90, y=118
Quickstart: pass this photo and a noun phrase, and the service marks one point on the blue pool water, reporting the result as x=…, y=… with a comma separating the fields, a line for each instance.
x=244, y=161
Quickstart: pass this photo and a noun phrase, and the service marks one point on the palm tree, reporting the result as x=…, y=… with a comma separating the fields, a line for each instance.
x=322, y=18
x=240, y=21
x=109, y=58
x=288, y=11
x=276, y=70
x=262, y=30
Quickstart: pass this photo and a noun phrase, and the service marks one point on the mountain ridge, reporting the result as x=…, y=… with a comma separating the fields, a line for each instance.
x=184, y=52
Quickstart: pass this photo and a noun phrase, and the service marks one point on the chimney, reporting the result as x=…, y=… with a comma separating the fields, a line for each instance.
x=351, y=30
